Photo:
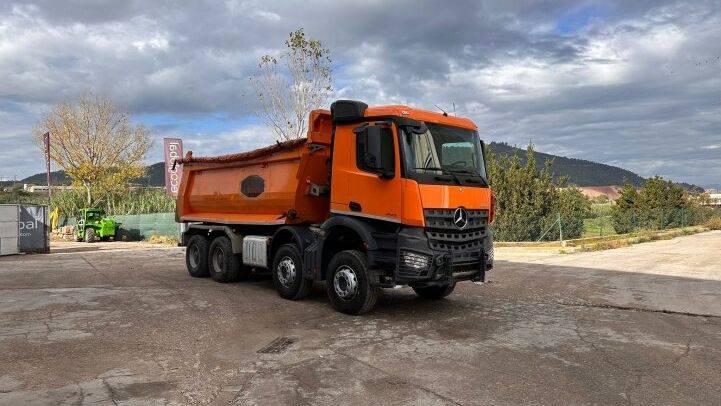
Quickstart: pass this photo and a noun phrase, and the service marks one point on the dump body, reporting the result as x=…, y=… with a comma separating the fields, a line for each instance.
x=280, y=184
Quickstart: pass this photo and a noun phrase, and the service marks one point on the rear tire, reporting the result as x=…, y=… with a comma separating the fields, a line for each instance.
x=348, y=283
x=90, y=235
x=196, y=256
x=288, y=273
x=224, y=266
x=435, y=292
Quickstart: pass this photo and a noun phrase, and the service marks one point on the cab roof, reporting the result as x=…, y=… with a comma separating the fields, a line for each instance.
x=420, y=115
x=353, y=110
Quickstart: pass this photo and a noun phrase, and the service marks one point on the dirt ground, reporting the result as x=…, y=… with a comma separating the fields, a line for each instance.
x=123, y=323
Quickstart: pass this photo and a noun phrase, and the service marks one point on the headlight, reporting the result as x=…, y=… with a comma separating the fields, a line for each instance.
x=415, y=261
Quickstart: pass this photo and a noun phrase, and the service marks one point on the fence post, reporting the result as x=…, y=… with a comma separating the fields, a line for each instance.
x=560, y=229
x=682, y=219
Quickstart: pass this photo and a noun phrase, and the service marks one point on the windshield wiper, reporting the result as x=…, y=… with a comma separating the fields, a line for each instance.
x=470, y=172
x=444, y=171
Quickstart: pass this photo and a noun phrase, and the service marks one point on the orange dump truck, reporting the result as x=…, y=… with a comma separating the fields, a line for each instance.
x=375, y=197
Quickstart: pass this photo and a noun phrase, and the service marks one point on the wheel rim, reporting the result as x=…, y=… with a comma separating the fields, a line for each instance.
x=194, y=256
x=286, y=271
x=218, y=259
x=345, y=283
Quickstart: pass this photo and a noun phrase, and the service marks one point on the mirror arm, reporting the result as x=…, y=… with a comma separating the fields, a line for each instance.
x=360, y=129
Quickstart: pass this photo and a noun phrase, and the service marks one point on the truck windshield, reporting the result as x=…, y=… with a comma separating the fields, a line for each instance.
x=443, y=154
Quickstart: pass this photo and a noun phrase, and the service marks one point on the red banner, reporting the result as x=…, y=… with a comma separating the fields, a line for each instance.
x=173, y=148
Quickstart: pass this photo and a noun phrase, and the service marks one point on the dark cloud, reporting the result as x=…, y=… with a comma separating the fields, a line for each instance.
x=634, y=84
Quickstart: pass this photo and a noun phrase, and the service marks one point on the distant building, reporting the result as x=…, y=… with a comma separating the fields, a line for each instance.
x=43, y=189
x=714, y=197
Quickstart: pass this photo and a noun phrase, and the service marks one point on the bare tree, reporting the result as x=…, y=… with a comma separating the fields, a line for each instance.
x=292, y=84
x=95, y=144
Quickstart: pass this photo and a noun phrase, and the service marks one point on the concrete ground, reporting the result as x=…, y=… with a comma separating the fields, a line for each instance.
x=123, y=323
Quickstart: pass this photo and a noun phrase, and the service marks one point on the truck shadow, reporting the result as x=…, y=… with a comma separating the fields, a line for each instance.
x=549, y=284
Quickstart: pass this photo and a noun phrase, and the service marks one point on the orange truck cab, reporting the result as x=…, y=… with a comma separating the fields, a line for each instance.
x=374, y=197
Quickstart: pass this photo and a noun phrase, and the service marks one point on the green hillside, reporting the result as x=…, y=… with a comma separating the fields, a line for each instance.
x=579, y=172
x=154, y=177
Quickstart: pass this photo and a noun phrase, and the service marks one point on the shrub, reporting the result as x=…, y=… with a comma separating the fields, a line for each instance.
x=120, y=202
x=529, y=202
x=714, y=223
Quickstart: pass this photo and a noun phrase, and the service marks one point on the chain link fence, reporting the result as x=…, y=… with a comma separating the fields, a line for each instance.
x=136, y=227
x=601, y=222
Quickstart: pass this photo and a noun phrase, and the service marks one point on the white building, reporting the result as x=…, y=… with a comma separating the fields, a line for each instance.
x=43, y=189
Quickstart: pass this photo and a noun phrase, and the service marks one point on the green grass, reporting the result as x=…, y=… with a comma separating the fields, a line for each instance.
x=600, y=223
x=599, y=226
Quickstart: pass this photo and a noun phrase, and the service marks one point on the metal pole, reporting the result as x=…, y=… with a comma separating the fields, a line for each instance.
x=46, y=144
x=560, y=229
x=682, y=219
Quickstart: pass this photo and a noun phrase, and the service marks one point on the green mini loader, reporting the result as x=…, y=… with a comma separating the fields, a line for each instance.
x=93, y=223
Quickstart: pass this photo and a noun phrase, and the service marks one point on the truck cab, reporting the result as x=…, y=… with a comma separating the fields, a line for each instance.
x=378, y=197
x=417, y=182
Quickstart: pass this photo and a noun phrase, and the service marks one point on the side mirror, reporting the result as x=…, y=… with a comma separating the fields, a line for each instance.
x=375, y=151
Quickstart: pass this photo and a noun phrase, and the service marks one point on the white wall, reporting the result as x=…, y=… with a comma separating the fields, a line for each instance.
x=8, y=229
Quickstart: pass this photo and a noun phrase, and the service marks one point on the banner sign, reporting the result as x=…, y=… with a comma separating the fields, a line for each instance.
x=173, y=148
x=32, y=229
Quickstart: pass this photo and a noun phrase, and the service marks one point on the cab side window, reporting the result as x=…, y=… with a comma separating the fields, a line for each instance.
x=373, y=156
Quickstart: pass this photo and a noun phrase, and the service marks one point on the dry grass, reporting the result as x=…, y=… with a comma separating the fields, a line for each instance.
x=641, y=237
x=714, y=223
x=163, y=240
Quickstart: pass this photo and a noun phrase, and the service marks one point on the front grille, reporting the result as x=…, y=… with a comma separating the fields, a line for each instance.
x=411, y=273
x=443, y=235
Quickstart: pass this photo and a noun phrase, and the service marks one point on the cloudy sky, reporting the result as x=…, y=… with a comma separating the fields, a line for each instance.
x=635, y=84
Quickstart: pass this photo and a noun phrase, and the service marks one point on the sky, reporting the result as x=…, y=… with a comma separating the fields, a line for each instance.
x=636, y=84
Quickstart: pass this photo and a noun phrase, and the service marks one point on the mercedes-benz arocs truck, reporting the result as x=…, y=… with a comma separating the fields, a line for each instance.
x=374, y=197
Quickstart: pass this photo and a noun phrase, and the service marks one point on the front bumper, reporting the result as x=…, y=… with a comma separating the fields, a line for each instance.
x=418, y=263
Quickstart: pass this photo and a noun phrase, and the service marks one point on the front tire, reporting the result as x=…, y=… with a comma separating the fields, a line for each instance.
x=288, y=273
x=435, y=292
x=224, y=266
x=196, y=256
x=90, y=235
x=348, y=283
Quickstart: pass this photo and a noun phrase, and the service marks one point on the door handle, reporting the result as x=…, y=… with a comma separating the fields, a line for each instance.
x=354, y=206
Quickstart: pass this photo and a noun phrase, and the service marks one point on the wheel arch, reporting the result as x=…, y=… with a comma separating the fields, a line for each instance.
x=301, y=236
x=344, y=233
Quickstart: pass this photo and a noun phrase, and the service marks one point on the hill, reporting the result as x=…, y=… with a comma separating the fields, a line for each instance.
x=154, y=177
x=578, y=171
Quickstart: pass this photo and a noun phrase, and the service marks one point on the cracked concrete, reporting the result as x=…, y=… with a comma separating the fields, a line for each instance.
x=103, y=325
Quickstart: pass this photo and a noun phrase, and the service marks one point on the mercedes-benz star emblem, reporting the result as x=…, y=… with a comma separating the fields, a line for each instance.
x=460, y=218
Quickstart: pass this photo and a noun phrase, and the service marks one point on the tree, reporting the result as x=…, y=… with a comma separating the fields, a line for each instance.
x=524, y=195
x=528, y=202
x=659, y=204
x=573, y=206
x=292, y=84
x=623, y=212
x=95, y=144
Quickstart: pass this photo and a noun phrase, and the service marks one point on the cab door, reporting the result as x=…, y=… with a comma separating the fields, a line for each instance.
x=366, y=172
